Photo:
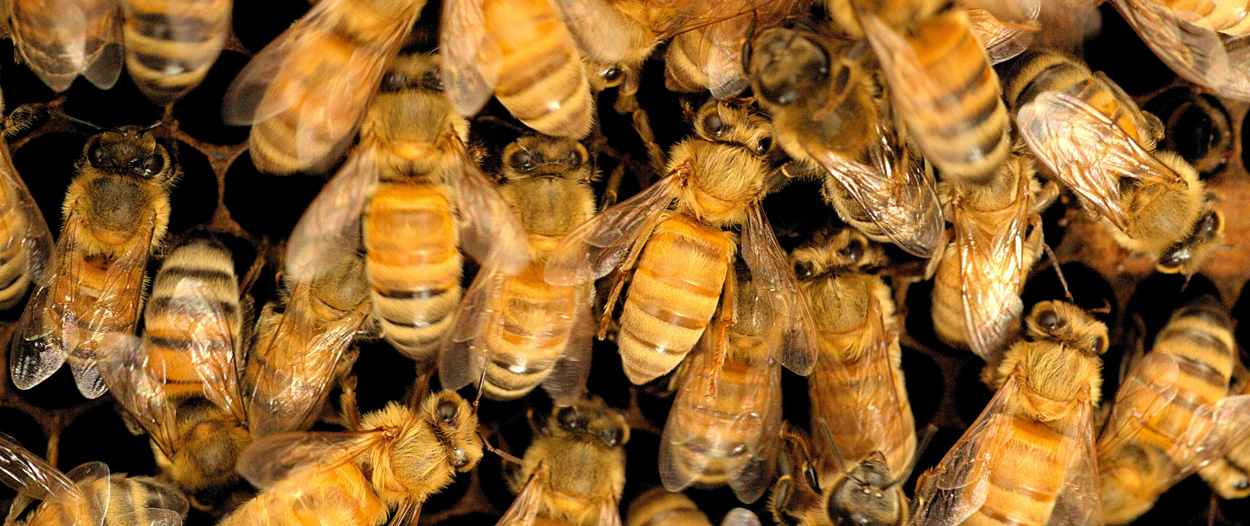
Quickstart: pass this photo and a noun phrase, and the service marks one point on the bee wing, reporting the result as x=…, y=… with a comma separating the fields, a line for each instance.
x=1137, y=401
x=1009, y=11
x=585, y=20
x=209, y=331
x=301, y=355
x=39, y=347
x=1187, y=43
x=596, y=247
x=992, y=270
x=756, y=476
x=104, y=62
x=93, y=506
x=1002, y=41
x=150, y=517
x=609, y=513
x=1079, y=501
x=1087, y=151
x=489, y=229
x=464, y=356
x=137, y=385
x=524, y=510
x=74, y=37
x=467, y=47
x=958, y=485
x=773, y=277
x=35, y=237
x=689, y=15
x=719, y=54
x=1230, y=419
x=407, y=514
x=269, y=460
x=567, y=380
x=740, y=517
x=330, y=227
x=29, y=475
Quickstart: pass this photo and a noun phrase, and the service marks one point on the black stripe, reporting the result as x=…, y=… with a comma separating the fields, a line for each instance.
x=164, y=303
x=181, y=344
x=208, y=276
x=419, y=294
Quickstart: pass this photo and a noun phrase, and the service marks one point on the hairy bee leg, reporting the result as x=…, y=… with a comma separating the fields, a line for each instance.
x=614, y=185
x=347, y=402
x=627, y=104
x=626, y=266
x=728, y=317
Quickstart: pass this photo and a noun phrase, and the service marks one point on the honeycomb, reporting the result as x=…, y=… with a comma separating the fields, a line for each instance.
x=221, y=187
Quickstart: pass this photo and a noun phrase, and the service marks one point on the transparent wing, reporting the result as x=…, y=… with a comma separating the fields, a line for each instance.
x=1002, y=40
x=210, y=332
x=524, y=510
x=1079, y=501
x=39, y=347
x=29, y=475
x=1187, y=43
x=271, y=459
x=331, y=224
x=721, y=42
x=992, y=269
x=609, y=513
x=584, y=19
x=104, y=46
x=596, y=247
x=773, y=277
x=61, y=39
x=1009, y=11
x=958, y=485
x=150, y=517
x=161, y=496
x=740, y=517
x=567, y=380
x=464, y=356
x=1088, y=152
x=897, y=194
x=466, y=48
x=28, y=228
x=1149, y=388
x=489, y=229
x=136, y=382
x=93, y=506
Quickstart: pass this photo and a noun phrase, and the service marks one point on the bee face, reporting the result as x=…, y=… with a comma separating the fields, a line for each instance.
x=1068, y=325
x=864, y=497
x=455, y=425
x=786, y=64
x=839, y=250
x=534, y=156
x=591, y=423
x=130, y=151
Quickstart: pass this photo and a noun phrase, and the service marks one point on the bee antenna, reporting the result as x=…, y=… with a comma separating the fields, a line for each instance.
x=1058, y=271
x=504, y=455
x=79, y=122
x=481, y=382
x=925, y=438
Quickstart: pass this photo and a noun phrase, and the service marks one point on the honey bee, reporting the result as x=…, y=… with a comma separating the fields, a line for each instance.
x=574, y=471
x=181, y=382
x=396, y=196
x=306, y=92
x=301, y=345
x=523, y=53
x=88, y=495
x=682, y=256
x=397, y=458
x=709, y=57
x=866, y=492
x=25, y=241
x=1172, y=413
x=997, y=240
x=1029, y=458
x=1229, y=475
x=824, y=113
x=62, y=39
x=1094, y=139
x=660, y=507
x=170, y=44
x=115, y=214
x=1202, y=42
x=721, y=428
x=1003, y=39
x=856, y=386
x=523, y=330
x=940, y=80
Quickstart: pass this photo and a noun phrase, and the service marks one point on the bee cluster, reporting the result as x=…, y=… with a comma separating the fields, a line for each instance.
x=749, y=235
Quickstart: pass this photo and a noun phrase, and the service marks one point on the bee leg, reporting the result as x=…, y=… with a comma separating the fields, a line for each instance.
x=614, y=186
x=627, y=104
x=728, y=316
x=626, y=266
x=347, y=402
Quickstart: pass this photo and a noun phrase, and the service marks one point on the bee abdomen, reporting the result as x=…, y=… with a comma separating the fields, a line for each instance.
x=170, y=44
x=834, y=400
x=947, y=310
x=676, y=287
x=530, y=334
x=413, y=265
x=14, y=276
x=1029, y=470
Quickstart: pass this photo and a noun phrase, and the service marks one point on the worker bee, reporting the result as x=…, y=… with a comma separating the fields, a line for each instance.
x=306, y=92
x=393, y=462
x=25, y=242
x=88, y=495
x=523, y=330
x=301, y=345
x=115, y=214
x=721, y=428
x=170, y=44
x=865, y=492
x=1229, y=475
x=523, y=53
x=941, y=81
x=660, y=507
x=60, y=40
x=856, y=386
x=1094, y=139
x=997, y=240
x=1029, y=458
x=1201, y=42
x=574, y=471
x=824, y=113
x=682, y=256
x=181, y=382
x=709, y=57
x=1172, y=413
x=396, y=196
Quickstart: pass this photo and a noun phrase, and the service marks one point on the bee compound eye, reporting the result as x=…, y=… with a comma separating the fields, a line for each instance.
x=446, y=411
x=714, y=125
x=522, y=160
x=152, y=165
x=567, y=417
x=572, y=159
x=95, y=153
x=1050, y=320
x=763, y=146
x=802, y=270
x=853, y=251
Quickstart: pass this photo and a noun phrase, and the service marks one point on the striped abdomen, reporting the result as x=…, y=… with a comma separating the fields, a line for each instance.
x=60, y=39
x=970, y=141
x=542, y=79
x=676, y=287
x=858, y=430
x=170, y=44
x=413, y=265
x=14, y=271
x=948, y=307
x=130, y=501
x=1027, y=473
x=195, y=279
x=340, y=496
x=528, y=332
